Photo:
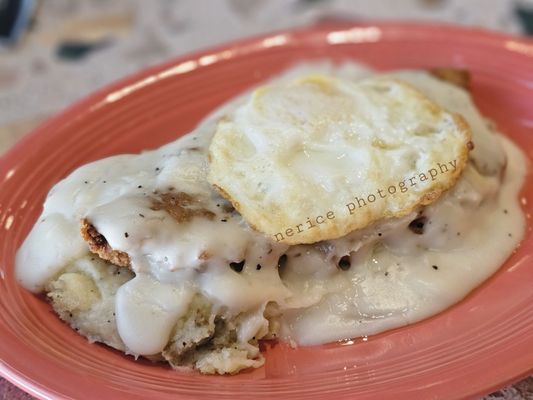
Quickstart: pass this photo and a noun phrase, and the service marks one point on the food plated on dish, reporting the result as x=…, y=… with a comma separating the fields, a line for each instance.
x=444, y=356
x=331, y=202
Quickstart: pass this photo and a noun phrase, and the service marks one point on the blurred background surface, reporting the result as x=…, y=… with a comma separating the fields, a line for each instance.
x=53, y=52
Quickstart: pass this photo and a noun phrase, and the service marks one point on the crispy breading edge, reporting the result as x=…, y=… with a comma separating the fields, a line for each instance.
x=99, y=245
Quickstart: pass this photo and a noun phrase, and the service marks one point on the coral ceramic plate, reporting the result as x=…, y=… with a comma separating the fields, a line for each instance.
x=482, y=343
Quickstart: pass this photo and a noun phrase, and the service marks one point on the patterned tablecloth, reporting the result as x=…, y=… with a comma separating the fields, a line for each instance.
x=75, y=47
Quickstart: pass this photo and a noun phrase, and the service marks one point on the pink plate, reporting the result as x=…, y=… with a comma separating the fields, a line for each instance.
x=479, y=345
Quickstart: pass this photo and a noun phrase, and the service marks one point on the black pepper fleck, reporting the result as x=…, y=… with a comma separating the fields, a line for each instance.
x=417, y=225
x=505, y=211
x=86, y=182
x=258, y=267
x=379, y=234
x=345, y=263
x=237, y=266
x=435, y=267
x=282, y=261
x=510, y=235
x=141, y=215
x=224, y=220
x=386, y=274
x=139, y=187
x=126, y=234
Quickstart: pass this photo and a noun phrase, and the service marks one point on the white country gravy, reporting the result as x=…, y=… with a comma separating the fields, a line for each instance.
x=385, y=276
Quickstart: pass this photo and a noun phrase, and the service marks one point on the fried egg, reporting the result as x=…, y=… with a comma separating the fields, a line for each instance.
x=320, y=156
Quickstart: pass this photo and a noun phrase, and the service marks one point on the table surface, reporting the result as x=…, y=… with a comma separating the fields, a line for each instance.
x=127, y=35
